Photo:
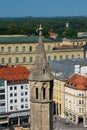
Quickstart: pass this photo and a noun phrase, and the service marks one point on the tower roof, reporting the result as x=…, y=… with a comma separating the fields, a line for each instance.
x=41, y=70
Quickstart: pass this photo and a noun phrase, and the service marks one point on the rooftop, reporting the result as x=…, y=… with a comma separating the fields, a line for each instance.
x=65, y=68
x=77, y=82
x=21, y=39
x=14, y=73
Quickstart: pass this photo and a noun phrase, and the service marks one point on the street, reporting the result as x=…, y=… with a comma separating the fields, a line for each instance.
x=62, y=125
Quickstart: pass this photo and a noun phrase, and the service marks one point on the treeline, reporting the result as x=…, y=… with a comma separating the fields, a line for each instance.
x=29, y=25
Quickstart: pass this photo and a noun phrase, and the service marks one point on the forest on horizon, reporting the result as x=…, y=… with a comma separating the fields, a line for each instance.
x=29, y=25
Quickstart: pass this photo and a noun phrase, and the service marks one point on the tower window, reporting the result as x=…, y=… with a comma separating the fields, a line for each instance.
x=36, y=93
x=44, y=93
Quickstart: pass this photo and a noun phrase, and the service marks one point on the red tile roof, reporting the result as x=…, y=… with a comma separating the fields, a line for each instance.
x=14, y=73
x=77, y=81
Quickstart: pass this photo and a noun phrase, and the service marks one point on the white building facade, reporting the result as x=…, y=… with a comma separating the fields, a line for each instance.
x=14, y=94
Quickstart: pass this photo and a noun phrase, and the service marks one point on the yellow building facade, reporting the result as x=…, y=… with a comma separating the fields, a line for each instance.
x=20, y=50
x=58, y=97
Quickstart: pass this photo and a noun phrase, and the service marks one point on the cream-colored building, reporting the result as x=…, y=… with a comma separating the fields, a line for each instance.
x=20, y=50
x=75, y=98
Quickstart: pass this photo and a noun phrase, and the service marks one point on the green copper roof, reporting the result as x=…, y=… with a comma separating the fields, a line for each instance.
x=21, y=39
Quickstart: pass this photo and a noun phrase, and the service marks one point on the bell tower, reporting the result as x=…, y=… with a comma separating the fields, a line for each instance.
x=41, y=90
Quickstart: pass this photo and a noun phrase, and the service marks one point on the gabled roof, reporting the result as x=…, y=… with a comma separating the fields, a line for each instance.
x=14, y=73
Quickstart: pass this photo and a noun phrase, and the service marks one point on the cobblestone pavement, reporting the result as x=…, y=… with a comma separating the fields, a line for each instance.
x=62, y=125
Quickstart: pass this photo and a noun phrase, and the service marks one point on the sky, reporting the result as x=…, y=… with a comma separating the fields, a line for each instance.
x=42, y=8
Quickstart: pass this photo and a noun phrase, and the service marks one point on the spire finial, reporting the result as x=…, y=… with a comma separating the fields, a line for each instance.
x=40, y=30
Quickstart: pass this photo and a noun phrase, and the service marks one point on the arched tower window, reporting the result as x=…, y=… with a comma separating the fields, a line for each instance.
x=36, y=93
x=44, y=93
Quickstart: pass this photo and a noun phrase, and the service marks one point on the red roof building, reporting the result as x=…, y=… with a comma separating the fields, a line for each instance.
x=77, y=82
x=14, y=73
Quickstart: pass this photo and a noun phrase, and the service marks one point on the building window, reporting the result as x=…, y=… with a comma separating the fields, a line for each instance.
x=15, y=87
x=16, y=49
x=78, y=56
x=22, y=100
x=22, y=106
x=55, y=58
x=11, y=107
x=15, y=94
x=22, y=93
x=79, y=95
x=48, y=47
x=31, y=59
x=26, y=99
x=30, y=48
x=26, y=93
x=21, y=87
x=61, y=57
x=24, y=59
x=82, y=101
x=26, y=105
x=11, y=88
x=2, y=49
x=17, y=60
x=23, y=49
x=11, y=101
x=44, y=93
x=36, y=93
x=49, y=58
x=79, y=101
x=72, y=56
x=15, y=101
x=66, y=57
x=9, y=49
x=2, y=60
x=11, y=94
x=2, y=83
x=9, y=60
x=82, y=110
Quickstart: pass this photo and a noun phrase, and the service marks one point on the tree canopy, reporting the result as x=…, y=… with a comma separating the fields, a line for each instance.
x=29, y=25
